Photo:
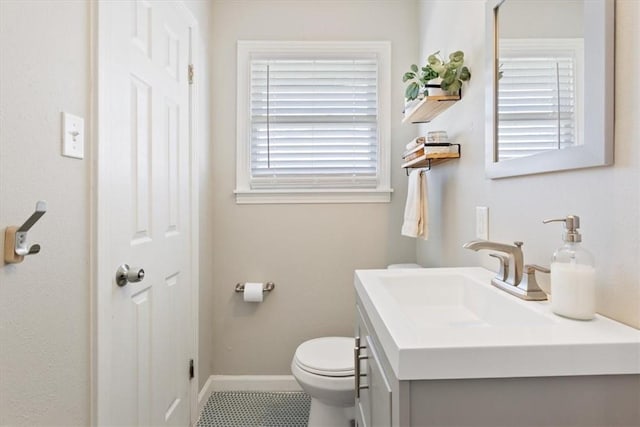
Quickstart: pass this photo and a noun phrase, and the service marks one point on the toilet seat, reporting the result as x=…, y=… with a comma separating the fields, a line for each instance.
x=327, y=356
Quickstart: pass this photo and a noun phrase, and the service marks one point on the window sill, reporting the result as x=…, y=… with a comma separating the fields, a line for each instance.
x=248, y=197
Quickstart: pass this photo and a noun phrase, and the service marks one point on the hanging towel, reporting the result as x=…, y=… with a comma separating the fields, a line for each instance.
x=424, y=207
x=416, y=222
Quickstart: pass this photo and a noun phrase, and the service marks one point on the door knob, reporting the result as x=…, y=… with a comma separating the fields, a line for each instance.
x=126, y=274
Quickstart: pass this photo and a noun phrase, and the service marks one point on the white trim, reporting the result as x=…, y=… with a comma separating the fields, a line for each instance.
x=254, y=383
x=196, y=58
x=92, y=147
x=249, y=197
x=100, y=245
x=244, y=50
x=203, y=396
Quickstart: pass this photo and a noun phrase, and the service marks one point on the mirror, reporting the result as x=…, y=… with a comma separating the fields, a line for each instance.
x=549, y=103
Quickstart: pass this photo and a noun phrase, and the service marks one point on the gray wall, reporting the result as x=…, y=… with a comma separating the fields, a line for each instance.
x=44, y=302
x=607, y=199
x=309, y=251
x=45, y=318
x=541, y=19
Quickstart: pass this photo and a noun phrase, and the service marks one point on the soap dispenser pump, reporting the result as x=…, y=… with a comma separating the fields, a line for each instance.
x=573, y=274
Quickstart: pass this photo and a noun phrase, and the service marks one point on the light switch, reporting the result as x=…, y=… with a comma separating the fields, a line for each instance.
x=72, y=136
x=482, y=222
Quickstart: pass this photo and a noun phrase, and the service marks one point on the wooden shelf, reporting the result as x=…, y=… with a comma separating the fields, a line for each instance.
x=431, y=159
x=429, y=108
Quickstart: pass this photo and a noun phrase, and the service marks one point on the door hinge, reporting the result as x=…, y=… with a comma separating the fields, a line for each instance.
x=190, y=74
x=191, y=369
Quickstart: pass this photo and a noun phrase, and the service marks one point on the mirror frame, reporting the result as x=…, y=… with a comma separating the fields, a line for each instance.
x=597, y=147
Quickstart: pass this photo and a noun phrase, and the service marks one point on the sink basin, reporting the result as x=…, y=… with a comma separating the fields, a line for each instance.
x=446, y=323
x=455, y=300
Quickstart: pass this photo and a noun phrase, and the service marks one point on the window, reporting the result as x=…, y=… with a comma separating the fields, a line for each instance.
x=538, y=96
x=313, y=122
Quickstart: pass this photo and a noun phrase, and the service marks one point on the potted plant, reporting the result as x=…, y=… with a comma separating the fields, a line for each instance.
x=452, y=74
x=418, y=78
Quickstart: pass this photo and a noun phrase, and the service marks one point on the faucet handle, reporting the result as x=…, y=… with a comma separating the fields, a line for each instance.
x=503, y=270
x=529, y=284
x=532, y=268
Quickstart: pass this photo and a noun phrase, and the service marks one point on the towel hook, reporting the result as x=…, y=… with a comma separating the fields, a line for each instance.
x=15, y=238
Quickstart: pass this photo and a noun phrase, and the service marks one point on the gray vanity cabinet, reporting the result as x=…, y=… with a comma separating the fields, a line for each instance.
x=378, y=402
x=385, y=401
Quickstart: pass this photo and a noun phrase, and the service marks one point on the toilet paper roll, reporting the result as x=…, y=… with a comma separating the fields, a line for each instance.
x=253, y=292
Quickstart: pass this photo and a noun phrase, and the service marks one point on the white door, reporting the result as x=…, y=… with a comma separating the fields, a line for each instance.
x=145, y=336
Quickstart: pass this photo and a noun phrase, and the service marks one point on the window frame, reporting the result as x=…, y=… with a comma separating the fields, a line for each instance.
x=244, y=193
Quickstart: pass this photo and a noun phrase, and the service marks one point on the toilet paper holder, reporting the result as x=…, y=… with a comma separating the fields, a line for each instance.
x=268, y=287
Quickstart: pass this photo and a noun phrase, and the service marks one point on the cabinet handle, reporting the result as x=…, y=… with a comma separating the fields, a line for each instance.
x=356, y=364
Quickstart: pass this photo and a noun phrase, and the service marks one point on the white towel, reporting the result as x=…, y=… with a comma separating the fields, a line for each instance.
x=416, y=220
x=415, y=142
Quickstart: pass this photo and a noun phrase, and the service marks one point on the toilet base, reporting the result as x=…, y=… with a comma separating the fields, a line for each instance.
x=323, y=415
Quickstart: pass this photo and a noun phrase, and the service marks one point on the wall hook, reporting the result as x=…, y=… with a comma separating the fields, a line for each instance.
x=15, y=238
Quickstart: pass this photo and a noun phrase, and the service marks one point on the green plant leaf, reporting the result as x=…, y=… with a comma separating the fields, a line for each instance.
x=433, y=60
x=408, y=76
x=465, y=74
x=412, y=91
x=429, y=74
x=414, y=68
x=454, y=87
x=437, y=65
x=449, y=76
x=456, y=59
x=457, y=56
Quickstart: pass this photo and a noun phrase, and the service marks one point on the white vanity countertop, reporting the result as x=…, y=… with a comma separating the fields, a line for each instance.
x=447, y=323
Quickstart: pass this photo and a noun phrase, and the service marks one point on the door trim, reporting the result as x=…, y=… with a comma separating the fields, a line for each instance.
x=100, y=277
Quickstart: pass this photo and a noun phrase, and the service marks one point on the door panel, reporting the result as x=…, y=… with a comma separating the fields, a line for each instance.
x=145, y=170
x=142, y=342
x=141, y=162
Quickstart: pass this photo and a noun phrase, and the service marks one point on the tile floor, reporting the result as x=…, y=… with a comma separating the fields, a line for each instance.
x=256, y=409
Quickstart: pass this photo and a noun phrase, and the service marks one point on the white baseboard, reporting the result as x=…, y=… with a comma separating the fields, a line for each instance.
x=205, y=394
x=246, y=383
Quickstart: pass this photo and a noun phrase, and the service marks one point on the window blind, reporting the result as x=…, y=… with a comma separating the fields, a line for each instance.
x=314, y=122
x=536, y=103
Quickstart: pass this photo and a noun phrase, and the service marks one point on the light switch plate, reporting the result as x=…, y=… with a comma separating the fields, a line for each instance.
x=72, y=136
x=482, y=222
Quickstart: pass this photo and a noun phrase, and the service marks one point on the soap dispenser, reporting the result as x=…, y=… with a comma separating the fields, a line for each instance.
x=573, y=274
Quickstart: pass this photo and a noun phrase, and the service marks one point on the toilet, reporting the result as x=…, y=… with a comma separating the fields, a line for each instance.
x=324, y=369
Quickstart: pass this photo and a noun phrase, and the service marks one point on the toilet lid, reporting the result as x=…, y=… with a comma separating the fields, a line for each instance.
x=327, y=356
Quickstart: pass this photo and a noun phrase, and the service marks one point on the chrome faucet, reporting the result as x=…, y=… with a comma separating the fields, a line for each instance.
x=513, y=276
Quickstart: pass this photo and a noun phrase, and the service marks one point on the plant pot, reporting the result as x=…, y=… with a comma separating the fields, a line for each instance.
x=435, y=89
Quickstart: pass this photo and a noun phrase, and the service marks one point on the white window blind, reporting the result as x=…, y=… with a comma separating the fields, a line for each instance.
x=537, y=108
x=314, y=121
